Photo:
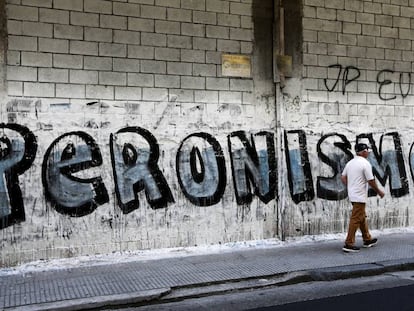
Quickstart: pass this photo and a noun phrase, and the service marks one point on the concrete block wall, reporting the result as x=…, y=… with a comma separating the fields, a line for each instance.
x=356, y=85
x=121, y=133
x=129, y=48
x=126, y=135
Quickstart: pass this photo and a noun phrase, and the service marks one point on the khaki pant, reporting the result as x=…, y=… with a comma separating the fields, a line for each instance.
x=358, y=221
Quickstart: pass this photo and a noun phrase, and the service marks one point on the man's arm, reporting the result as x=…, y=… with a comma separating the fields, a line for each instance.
x=374, y=186
x=344, y=179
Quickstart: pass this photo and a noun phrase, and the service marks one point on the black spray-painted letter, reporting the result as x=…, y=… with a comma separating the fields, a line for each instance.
x=17, y=152
x=201, y=169
x=134, y=154
x=298, y=166
x=334, y=151
x=384, y=82
x=388, y=162
x=71, y=153
x=253, y=163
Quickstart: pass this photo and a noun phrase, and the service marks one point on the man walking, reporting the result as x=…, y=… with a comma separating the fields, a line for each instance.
x=357, y=175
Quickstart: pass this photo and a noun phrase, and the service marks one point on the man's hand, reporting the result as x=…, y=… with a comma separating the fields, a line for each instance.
x=374, y=186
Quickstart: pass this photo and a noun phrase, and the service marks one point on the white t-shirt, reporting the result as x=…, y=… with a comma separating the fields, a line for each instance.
x=358, y=172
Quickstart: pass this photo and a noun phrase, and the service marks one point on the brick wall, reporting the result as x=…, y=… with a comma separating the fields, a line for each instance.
x=372, y=36
x=126, y=135
x=94, y=86
x=127, y=50
x=357, y=84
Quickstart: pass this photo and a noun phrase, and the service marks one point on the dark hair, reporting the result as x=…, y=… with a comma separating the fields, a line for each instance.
x=361, y=147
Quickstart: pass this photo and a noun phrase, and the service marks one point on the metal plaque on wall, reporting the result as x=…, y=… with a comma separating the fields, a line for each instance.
x=235, y=65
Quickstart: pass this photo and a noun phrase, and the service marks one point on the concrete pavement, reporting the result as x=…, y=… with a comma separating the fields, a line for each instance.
x=140, y=281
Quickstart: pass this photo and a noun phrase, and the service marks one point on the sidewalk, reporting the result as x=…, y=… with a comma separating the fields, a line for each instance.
x=190, y=276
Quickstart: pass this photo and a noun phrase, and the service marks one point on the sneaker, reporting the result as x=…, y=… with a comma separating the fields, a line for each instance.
x=370, y=243
x=350, y=249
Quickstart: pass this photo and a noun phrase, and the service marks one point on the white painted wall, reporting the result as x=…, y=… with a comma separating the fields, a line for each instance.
x=374, y=40
x=98, y=66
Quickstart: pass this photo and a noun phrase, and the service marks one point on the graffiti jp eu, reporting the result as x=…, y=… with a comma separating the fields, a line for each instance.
x=387, y=81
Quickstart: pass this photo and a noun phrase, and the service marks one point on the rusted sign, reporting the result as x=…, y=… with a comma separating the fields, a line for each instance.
x=236, y=65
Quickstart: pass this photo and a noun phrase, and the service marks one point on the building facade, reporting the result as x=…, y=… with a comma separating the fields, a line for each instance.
x=144, y=124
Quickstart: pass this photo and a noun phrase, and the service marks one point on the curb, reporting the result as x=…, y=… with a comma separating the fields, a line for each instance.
x=165, y=295
x=361, y=270
x=292, y=278
x=97, y=302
